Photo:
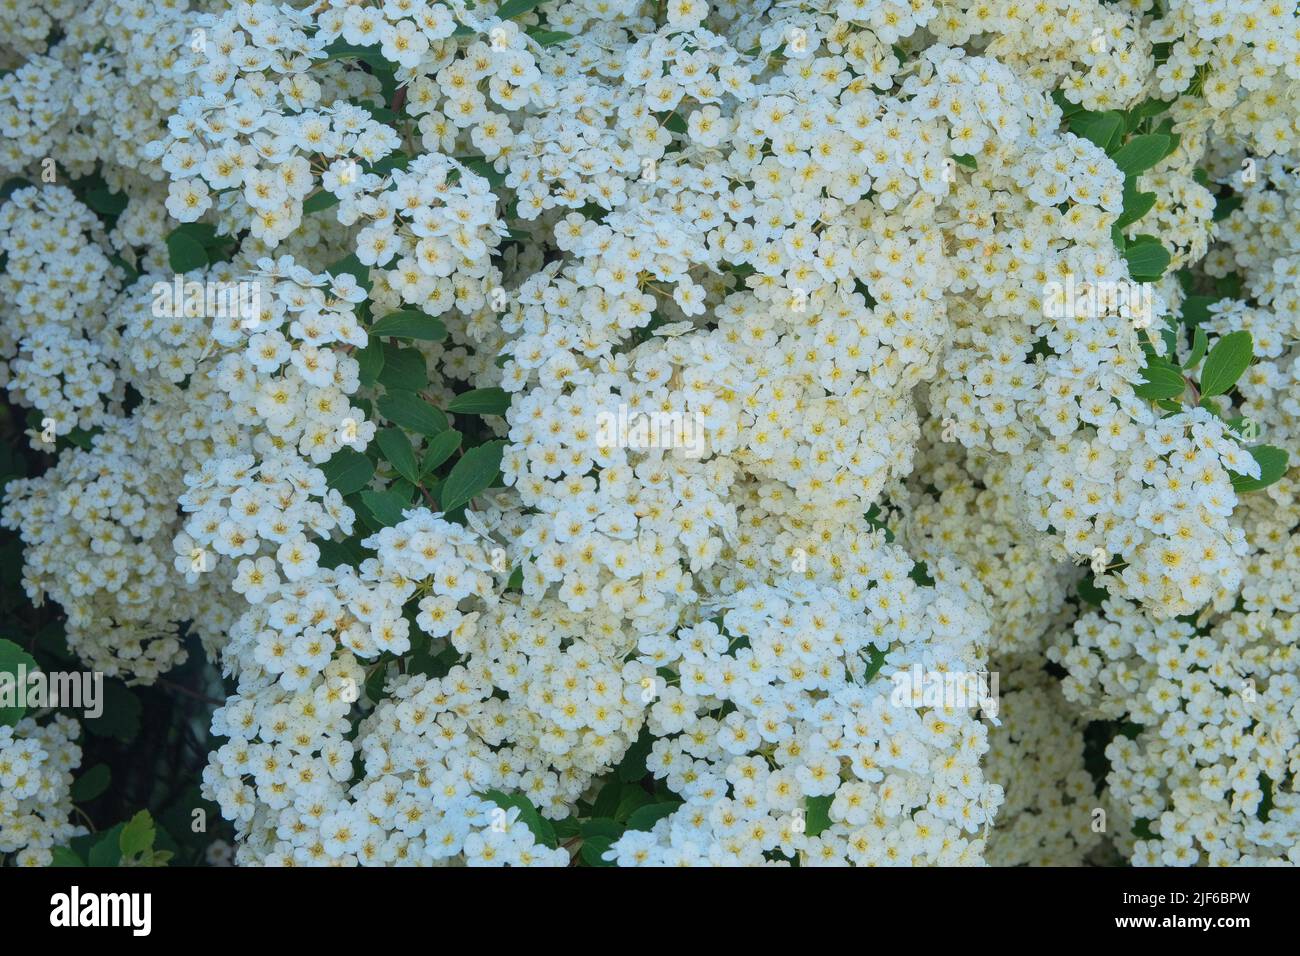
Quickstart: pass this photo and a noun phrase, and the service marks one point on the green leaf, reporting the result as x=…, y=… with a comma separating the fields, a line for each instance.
x=404, y=369
x=1196, y=308
x=412, y=412
x=644, y=818
x=1272, y=466
x=1067, y=108
x=631, y=800
x=1147, y=258
x=370, y=362
x=398, y=160
x=817, y=814
x=632, y=767
x=204, y=233
x=11, y=658
x=348, y=471
x=1161, y=379
x=1144, y=111
x=439, y=449
x=513, y=8
x=1229, y=286
x=607, y=800
x=318, y=201
x=185, y=254
x=876, y=660
x=476, y=471
x=543, y=832
x=91, y=784
x=481, y=401
x=131, y=272
x=601, y=826
x=12, y=185
x=1199, y=343
x=593, y=848
x=1136, y=204
x=1090, y=592
x=137, y=836
x=1104, y=129
x=1225, y=206
x=566, y=829
x=967, y=161
x=410, y=324
x=334, y=553
x=106, y=202
x=385, y=506
x=1141, y=153
x=108, y=850
x=1225, y=363
x=121, y=717
x=549, y=37
x=340, y=49
x=398, y=452
x=64, y=856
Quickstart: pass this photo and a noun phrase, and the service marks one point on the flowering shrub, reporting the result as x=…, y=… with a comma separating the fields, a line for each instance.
x=638, y=433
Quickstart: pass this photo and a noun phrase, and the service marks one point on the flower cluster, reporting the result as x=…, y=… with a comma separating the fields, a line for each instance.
x=36, y=765
x=1214, y=707
x=54, y=337
x=636, y=401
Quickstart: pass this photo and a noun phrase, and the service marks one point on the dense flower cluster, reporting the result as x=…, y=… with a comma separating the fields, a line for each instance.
x=651, y=397
x=55, y=334
x=36, y=765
